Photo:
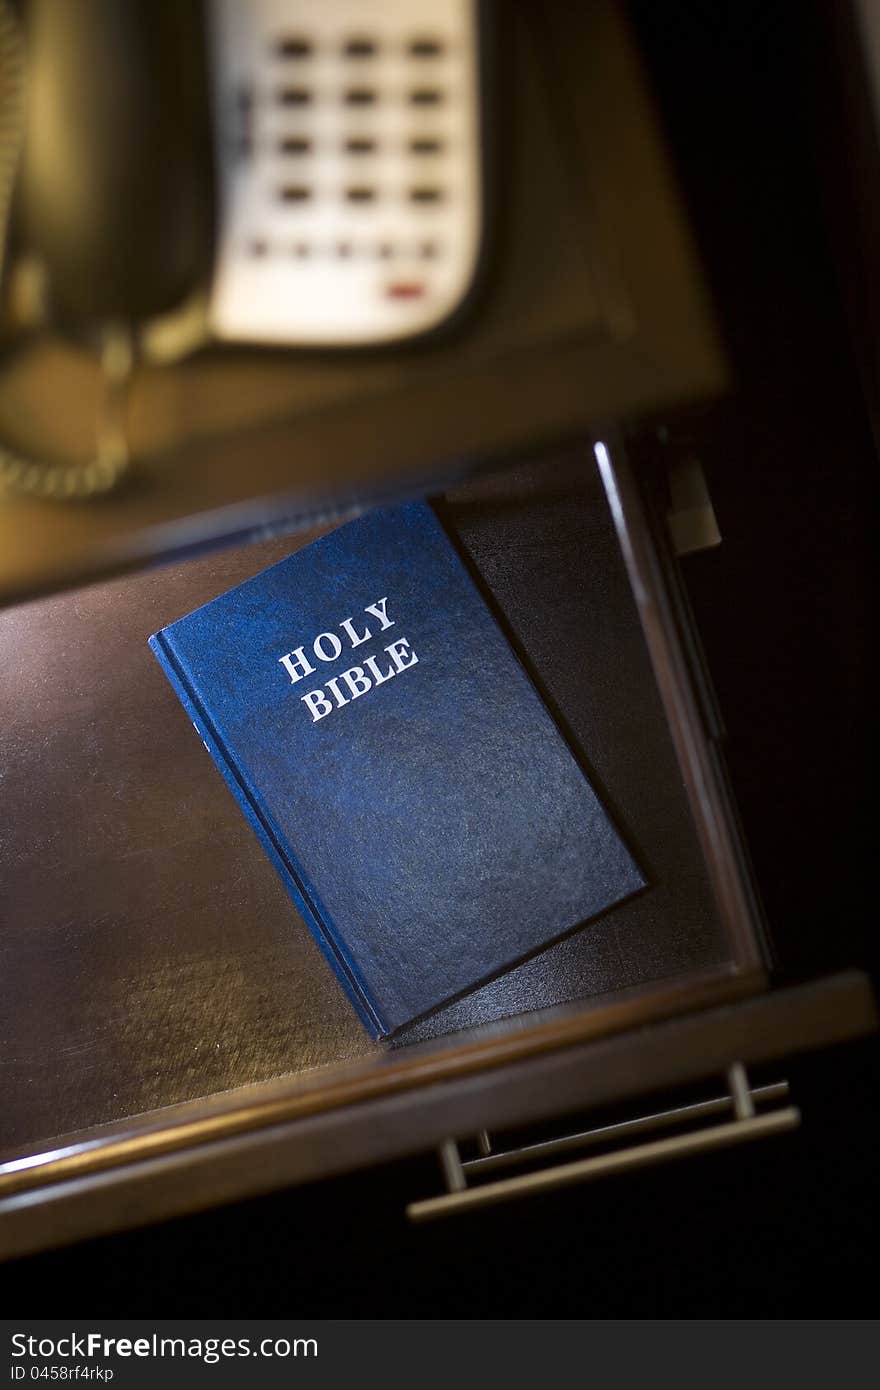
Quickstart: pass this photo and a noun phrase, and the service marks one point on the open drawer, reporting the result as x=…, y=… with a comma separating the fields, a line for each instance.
x=172, y=1036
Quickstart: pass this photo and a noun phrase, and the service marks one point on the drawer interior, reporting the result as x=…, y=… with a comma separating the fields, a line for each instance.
x=151, y=955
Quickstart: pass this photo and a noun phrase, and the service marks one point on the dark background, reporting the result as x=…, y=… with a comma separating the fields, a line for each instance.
x=789, y=1226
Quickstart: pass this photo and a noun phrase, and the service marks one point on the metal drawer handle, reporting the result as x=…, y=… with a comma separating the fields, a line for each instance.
x=745, y=1126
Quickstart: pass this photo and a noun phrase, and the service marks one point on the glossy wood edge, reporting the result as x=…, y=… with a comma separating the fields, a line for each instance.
x=634, y=1062
x=444, y=430
x=249, y=1108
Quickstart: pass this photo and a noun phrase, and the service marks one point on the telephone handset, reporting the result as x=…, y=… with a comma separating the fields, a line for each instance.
x=109, y=187
x=115, y=182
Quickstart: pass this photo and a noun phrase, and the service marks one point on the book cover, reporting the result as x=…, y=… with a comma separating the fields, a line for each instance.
x=398, y=765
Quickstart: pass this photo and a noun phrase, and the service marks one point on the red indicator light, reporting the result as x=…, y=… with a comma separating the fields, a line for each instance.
x=405, y=289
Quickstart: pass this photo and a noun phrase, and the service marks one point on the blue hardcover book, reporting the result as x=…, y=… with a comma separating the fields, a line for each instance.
x=398, y=765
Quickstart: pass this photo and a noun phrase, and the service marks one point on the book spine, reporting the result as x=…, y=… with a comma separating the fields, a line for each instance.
x=271, y=841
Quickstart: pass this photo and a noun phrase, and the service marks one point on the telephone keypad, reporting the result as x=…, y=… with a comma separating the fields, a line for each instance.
x=363, y=147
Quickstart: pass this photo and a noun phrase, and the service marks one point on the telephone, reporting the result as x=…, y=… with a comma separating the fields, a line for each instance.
x=301, y=173
x=312, y=167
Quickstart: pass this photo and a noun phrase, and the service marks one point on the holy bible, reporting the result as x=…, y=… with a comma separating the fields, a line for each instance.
x=397, y=764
